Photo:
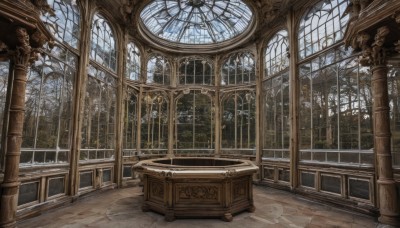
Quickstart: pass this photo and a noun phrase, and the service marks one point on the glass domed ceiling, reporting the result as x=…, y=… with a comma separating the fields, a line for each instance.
x=196, y=21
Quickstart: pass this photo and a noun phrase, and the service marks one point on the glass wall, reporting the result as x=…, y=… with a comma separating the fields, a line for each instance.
x=154, y=122
x=130, y=122
x=335, y=92
x=276, y=122
x=158, y=70
x=195, y=71
x=194, y=124
x=133, y=62
x=4, y=74
x=98, y=128
x=238, y=68
x=238, y=120
x=49, y=90
x=394, y=103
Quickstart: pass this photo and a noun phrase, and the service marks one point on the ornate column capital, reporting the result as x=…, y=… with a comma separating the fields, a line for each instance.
x=24, y=54
x=374, y=54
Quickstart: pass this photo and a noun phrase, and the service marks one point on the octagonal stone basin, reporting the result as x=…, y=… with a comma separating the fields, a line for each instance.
x=197, y=187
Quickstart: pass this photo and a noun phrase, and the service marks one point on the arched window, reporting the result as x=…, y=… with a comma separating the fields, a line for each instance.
x=49, y=93
x=99, y=119
x=276, y=98
x=133, y=62
x=238, y=120
x=238, y=68
x=65, y=24
x=158, y=70
x=276, y=57
x=196, y=71
x=322, y=26
x=102, y=49
x=335, y=116
x=194, y=125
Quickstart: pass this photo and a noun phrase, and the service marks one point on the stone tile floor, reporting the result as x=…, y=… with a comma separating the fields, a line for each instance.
x=274, y=208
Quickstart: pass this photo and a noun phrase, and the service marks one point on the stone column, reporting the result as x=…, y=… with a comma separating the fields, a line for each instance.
x=10, y=185
x=375, y=56
x=388, y=202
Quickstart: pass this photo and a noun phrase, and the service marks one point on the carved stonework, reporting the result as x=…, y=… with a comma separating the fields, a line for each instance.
x=240, y=190
x=198, y=192
x=23, y=51
x=374, y=54
x=157, y=189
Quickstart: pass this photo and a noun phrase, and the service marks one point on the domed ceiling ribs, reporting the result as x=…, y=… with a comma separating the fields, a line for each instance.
x=196, y=21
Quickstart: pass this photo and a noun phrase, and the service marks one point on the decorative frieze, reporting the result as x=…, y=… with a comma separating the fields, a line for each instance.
x=198, y=192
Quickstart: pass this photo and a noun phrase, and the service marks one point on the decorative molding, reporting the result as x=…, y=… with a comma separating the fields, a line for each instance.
x=198, y=192
x=157, y=189
x=240, y=189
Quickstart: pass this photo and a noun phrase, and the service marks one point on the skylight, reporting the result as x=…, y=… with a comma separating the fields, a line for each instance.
x=196, y=21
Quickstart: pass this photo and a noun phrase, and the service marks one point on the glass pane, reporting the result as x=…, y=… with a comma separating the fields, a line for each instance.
x=238, y=68
x=98, y=127
x=196, y=71
x=317, y=26
x=194, y=121
x=65, y=23
x=276, y=54
x=158, y=70
x=133, y=62
x=102, y=49
x=130, y=123
x=154, y=121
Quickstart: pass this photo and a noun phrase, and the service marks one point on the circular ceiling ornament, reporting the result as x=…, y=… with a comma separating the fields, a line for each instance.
x=196, y=22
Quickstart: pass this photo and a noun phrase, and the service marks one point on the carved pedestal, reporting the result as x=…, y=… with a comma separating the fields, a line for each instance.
x=215, y=189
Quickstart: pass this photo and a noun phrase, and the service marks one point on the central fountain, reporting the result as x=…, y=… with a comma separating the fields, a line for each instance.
x=197, y=187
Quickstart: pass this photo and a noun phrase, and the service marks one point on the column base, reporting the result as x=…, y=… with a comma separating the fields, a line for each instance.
x=390, y=220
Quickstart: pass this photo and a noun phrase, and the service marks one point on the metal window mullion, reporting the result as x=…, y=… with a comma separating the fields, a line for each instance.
x=98, y=117
x=60, y=114
x=338, y=108
x=236, y=124
x=194, y=117
x=359, y=114
x=38, y=108
x=282, y=133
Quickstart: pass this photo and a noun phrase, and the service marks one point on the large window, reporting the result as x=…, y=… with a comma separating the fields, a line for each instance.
x=158, y=70
x=154, y=122
x=238, y=120
x=133, y=62
x=49, y=90
x=323, y=26
x=196, y=71
x=48, y=108
x=335, y=92
x=394, y=99
x=276, y=98
x=238, y=68
x=65, y=24
x=98, y=128
x=194, y=122
x=102, y=49
x=4, y=73
x=130, y=122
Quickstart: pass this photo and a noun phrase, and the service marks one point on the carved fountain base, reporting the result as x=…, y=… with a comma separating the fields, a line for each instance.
x=197, y=187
